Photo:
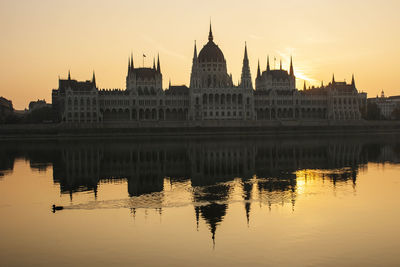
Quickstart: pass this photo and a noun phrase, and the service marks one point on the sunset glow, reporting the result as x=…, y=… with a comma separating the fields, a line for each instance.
x=42, y=40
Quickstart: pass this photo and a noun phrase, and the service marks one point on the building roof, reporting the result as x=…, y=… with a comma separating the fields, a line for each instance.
x=5, y=103
x=145, y=73
x=211, y=53
x=276, y=74
x=76, y=85
x=177, y=90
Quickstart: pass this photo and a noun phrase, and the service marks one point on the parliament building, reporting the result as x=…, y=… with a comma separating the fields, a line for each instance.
x=212, y=98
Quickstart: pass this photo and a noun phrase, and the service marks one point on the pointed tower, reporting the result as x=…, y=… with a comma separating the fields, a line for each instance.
x=94, y=79
x=268, y=67
x=154, y=63
x=353, y=83
x=280, y=67
x=130, y=77
x=69, y=75
x=304, y=87
x=246, y=76
x=258, y=70
x=193, y=75
x=210, y=35
x=291, y=72
x=158, y=63
x=333, y=79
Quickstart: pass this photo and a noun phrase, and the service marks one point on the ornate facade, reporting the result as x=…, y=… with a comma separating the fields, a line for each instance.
x=212, y=97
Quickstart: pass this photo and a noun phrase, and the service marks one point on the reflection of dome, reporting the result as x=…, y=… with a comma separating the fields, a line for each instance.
x=211, y=52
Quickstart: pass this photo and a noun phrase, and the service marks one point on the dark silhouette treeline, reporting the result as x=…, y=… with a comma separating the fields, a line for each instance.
x=262, y=164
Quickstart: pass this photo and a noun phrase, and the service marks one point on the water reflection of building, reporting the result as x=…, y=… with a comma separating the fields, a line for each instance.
x=265, y=168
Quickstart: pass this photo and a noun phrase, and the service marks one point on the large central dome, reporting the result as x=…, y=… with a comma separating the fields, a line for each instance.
x=211, y=52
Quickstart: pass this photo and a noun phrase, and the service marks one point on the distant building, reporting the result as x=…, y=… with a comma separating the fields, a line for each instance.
x=38, y=104
x=211, y=96
x=6, y=109
x=385, y=104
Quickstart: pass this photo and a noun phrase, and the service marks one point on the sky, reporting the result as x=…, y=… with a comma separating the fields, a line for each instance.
x=43, y=39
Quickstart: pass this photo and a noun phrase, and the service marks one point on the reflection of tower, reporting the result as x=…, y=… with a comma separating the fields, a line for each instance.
x=209, y=207
x=247, y=190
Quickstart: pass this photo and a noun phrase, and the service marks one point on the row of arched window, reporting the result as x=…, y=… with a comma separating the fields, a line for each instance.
x=222, y=99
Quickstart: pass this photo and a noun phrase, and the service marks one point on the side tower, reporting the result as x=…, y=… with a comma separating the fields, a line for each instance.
x=246, y=76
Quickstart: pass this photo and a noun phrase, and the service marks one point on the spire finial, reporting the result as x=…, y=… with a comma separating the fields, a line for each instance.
x=353, y=83
x=169, y=84
x=94, y=79
x=280, y=65
x=333, y=78
x=131, y=60
x=69, y=75
x=304, y=87
x=245, y=50
x=291, y=72
x=195, y=51
x=158, y=63
x=268, y=68
x=258, y=69
x=210, y=34
x=154, y=63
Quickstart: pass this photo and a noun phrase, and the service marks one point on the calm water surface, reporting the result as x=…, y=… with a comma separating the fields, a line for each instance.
x=201, y=202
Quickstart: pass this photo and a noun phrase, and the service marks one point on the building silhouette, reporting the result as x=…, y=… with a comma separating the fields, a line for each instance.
x=212, y=97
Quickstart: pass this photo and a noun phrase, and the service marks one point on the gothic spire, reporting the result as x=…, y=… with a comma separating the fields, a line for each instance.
x=245, y=51
x=353, y=83
x=333, y=79
x=195, y=51
x=304, y=87
x=210, y=34
x=154, y=63
x=258, y=69
x=322, y=84
x=94, y=79
x=158, y=63
x=246, y=76
x=69, y=75
x=280, y=65
x=131, y=60
x=291, y=72
x=268, y=68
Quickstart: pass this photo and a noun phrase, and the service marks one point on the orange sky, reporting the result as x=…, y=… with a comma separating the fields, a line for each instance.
x=43, y=39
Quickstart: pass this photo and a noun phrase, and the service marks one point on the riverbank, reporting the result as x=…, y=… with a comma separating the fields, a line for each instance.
x=62, y=131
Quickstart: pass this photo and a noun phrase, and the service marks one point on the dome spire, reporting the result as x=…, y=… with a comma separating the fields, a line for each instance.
x=210, y=34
